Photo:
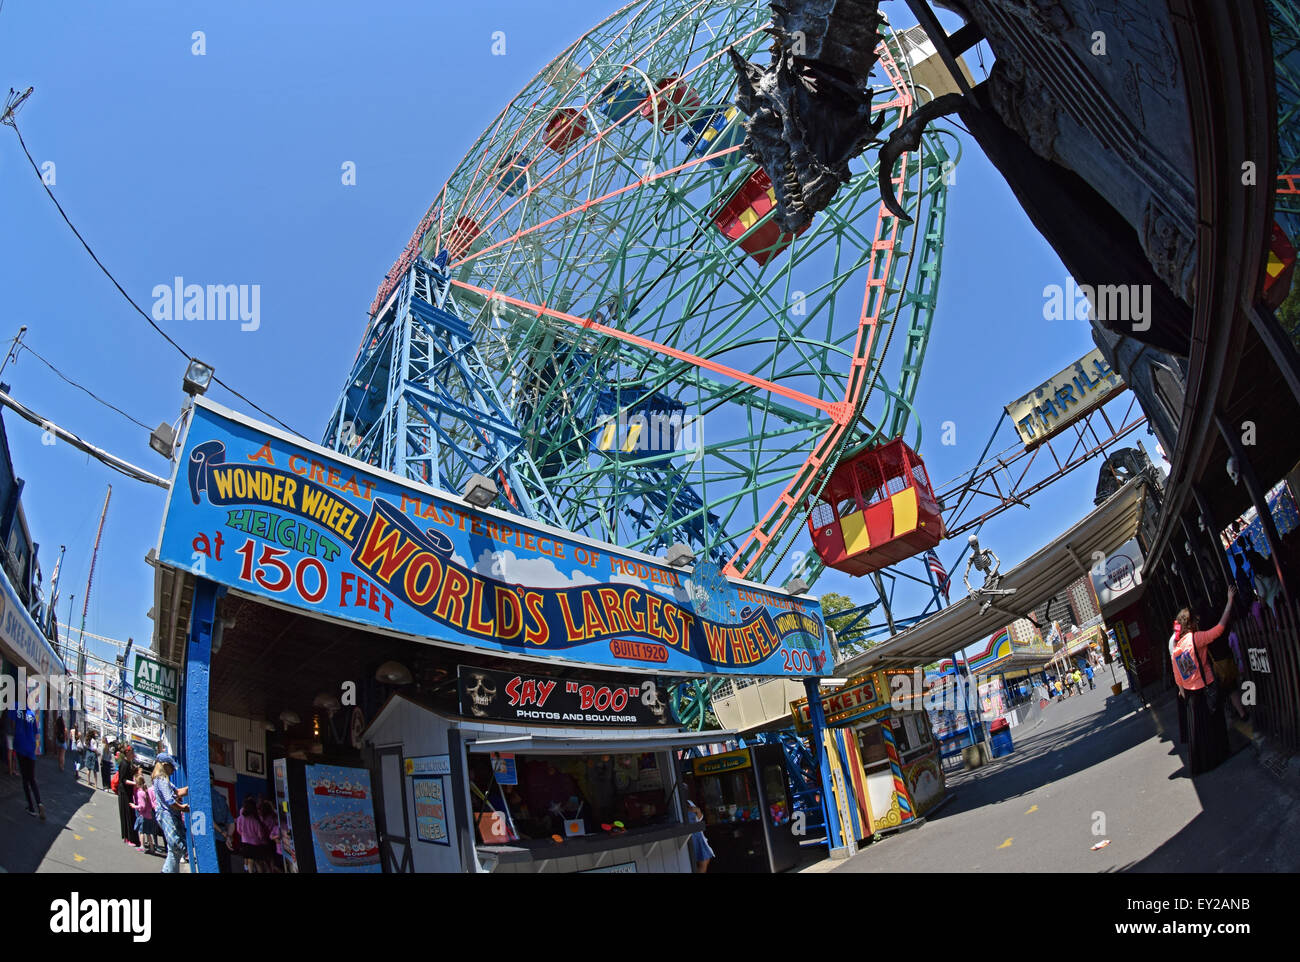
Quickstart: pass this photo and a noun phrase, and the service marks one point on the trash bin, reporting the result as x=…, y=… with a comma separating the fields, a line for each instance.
x=1000, y=738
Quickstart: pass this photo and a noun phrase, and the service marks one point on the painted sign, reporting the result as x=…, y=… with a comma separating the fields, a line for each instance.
x=1121, y=573
x=512, y=696
x=858, y=699
x=266, y=514
x=427, y=765
x=1057, y=403
x=726, y=762
x=504, y=769
x=153, y=677
x=430, y=809
x=19, y=634
x=342, y=814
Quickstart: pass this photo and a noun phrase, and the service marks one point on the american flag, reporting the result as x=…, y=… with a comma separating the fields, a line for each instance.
x=939, y=571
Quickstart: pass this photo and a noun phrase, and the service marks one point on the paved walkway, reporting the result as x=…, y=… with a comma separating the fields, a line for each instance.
x=81, y=832
x=1097, y=767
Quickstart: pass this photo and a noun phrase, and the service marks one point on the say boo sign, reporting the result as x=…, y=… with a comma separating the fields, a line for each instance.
x=156, y=679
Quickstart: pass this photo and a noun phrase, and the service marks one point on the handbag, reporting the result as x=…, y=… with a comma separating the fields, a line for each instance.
x=1212, y=688
x=113, y=783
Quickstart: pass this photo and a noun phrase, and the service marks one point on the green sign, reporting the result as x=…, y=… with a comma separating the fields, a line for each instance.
x=155, y=678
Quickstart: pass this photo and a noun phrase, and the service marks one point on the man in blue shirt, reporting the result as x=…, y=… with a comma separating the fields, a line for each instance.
x=1087, y=670
x=25, y=749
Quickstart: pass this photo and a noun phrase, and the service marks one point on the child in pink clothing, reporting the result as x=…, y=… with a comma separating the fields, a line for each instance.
x=144, y=813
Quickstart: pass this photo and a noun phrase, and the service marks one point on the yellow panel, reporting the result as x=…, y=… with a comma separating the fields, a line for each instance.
x=905, y=508
x=854, y=530
x=748, y=218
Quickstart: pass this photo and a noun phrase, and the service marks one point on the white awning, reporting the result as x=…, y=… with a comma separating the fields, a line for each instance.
x=568, y=744
x=1035, y=579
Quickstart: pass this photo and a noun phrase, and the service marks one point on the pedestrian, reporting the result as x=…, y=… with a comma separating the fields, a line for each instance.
x=170, y=812
x=74, y=746
x=126, y=772
x=254, y=840
x=1207, y=731
x=701, y=851
x=266, y=811
x=24, y=723
x=1078, y=681
x=106, y=766
x=1092, y=685
x=144, y=813
x=91, y=762
x=60, y=736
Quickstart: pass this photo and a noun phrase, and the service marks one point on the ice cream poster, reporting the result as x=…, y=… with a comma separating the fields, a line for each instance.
x=341, y=807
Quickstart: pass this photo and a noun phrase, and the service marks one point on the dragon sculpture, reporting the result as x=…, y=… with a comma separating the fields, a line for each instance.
x=810, y=109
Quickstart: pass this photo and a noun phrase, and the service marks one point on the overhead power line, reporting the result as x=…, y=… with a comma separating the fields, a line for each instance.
x=82, y=387
x=9, y=119
x=112, y=460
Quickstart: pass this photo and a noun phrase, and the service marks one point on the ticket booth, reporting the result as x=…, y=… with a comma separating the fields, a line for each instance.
x=748, y=812
x=889, y=752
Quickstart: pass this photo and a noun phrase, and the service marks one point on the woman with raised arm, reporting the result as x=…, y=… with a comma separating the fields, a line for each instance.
x=1194, y=672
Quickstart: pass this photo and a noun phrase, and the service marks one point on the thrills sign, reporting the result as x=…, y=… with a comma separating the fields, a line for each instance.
x=1053, y=406
x=261, y=513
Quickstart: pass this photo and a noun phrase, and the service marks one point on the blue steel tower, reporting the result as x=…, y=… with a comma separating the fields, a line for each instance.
x=421, y=402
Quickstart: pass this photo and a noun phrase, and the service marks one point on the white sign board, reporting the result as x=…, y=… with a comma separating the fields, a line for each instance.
x=1123, y=573
x=1057, y=403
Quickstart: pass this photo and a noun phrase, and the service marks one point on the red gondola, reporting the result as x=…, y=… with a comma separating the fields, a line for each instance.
x=565, y=128
x=672, y=103
x=748, y=205
x=877, y=509
x=464, y=233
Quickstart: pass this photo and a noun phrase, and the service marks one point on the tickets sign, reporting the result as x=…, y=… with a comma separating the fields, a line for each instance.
x=857, y=699
x=260, y=511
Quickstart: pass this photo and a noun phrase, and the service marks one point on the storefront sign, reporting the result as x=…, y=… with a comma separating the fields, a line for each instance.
x=153, y=677
x=342, y=814
x=430, y=809
x=726, y=762
x=858, y=699
x=427, y=765
x=503, y=768
x=512, y=696
x=20, y=635
x=1121, y=573
x=1054, y=405
x=263, y=513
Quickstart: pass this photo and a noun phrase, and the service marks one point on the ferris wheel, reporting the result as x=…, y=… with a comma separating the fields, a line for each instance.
x=680, y=369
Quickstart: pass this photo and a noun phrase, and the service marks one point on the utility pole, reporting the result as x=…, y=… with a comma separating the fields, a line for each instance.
x=85, y=607
x=12, y=353
x=121, y=703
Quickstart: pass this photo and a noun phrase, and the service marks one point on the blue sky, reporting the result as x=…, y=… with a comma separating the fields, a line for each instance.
x=225, y=169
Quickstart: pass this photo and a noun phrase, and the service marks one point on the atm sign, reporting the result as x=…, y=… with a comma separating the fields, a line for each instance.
x=156, y=679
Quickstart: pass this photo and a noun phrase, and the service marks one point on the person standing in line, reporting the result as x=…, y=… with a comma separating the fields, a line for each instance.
x=126, y=771
x=25, y=749
x=254, y=841
x=91, y=761
x=1207, y=731
x=144, y=813
x=106, y=765
x=170, y=812
x=60, y=736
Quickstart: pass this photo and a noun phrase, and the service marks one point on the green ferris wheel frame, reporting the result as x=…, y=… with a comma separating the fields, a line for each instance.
x=586, y=254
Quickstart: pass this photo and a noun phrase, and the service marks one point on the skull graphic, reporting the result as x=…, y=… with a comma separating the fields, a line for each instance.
x=650, y=698
x=481, y=693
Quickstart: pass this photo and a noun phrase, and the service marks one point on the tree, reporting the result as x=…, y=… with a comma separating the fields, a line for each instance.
x=849, y=638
